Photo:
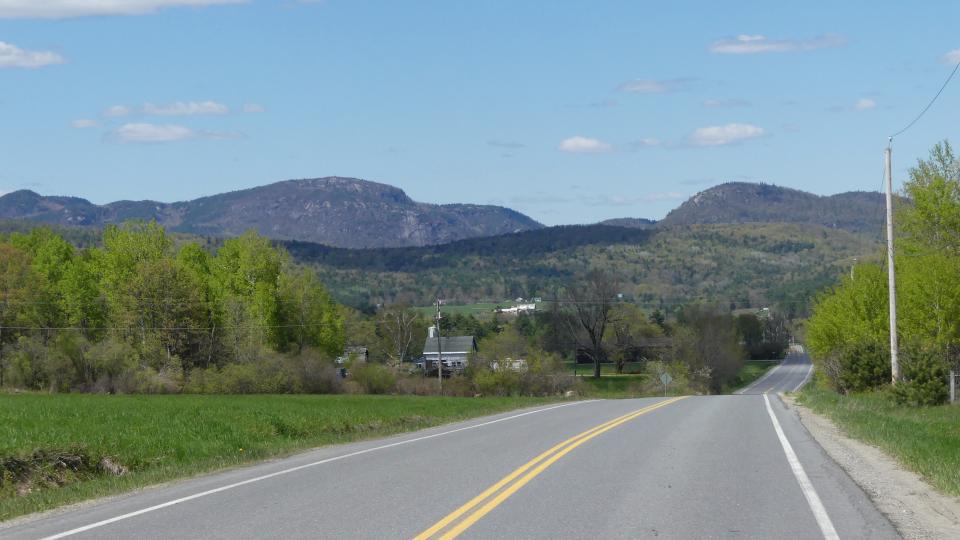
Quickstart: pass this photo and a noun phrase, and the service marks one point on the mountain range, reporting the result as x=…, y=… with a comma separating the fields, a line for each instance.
x=353, y=213
x=342, y=212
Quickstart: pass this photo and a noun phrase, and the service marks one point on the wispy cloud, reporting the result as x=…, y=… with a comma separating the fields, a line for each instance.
x=584, y=145
x=646, y=142
x=12, y=56
x=185, y=108
x=253, y=108
x=83, y=123
x=117, y=110
x=725, y=134
x=952, y=57
x=725, y=103
x=755, y=44
x=651, y=86
x=65, y=9
x=141, y=132
x=508, y=145
x=864, y=104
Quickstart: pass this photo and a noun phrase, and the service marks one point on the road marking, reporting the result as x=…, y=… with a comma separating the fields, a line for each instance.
x=809, y=493
x=122, y=517
x=537, y=464
x=806, y=379
x=760, y=380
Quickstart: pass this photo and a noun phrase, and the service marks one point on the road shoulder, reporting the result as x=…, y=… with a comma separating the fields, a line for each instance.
x=916, y=509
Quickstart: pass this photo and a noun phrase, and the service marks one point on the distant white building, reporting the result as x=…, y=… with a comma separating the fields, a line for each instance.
x=519, y=308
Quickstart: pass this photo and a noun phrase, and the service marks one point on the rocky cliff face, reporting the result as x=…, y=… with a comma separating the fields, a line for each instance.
x=344, y=212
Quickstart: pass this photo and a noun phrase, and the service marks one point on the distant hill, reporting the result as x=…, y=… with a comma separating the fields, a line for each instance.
x=741, y=202
x=630, y=223
x=343, y=212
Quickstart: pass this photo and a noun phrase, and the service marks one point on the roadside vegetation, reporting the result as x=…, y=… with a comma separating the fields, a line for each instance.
x=848, y=332
x=57, y=449
x=925, y=440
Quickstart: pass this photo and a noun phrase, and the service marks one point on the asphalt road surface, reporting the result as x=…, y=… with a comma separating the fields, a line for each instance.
x=789, y=376
x=737, y=466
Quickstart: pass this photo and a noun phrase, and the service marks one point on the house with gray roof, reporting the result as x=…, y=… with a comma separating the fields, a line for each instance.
x=454, y=350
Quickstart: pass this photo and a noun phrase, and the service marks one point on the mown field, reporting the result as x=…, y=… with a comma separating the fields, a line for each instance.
x=926, y=440
x=57, y=448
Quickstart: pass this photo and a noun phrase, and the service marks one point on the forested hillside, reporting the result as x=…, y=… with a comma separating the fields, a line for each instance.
x=737, y=265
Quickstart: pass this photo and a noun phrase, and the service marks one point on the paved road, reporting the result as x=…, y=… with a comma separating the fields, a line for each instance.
x=789, y=376
x=698, y=467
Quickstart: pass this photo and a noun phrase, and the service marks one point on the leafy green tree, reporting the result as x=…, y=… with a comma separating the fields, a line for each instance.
x=308, y=315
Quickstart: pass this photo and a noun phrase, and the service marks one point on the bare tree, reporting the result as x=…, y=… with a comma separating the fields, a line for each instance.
x=592, y=302
x=398, y=324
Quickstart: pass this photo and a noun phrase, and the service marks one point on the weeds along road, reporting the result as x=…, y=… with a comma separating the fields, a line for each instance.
x=695, y=467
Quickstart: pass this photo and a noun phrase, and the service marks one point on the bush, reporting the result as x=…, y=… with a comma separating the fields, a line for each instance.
x=860, y=367
x=924, y=381
x=373, y=378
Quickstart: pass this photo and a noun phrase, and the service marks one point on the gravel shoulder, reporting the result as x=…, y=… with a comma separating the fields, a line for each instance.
x=916, y=509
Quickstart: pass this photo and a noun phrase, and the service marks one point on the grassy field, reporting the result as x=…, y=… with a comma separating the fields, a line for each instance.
x=751, y=371
x=52, y=446
x=925, y=440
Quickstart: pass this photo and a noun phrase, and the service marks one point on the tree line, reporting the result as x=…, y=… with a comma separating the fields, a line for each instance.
x=140, y=313
x=848, y=332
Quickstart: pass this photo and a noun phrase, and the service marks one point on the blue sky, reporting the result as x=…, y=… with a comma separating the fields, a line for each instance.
x=571, y=112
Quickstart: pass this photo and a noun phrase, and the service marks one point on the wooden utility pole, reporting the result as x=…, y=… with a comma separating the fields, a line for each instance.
x=891, y=273
x=439, y=351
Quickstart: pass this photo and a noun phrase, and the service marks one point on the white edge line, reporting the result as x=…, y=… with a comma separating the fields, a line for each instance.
x=760, y=380
x=805, y=379
x=129, y=515
x=813, y=500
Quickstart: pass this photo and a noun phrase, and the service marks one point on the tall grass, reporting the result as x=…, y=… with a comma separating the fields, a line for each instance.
x=164, y=437
x=926, y=440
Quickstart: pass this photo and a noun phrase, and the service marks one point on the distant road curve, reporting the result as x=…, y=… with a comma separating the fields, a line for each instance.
x=789, y=376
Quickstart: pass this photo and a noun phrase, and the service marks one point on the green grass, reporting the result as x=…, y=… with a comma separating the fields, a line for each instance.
x=165, y=437
x=926, y=440
x=751, y=371
x=608, y=368
x=613, y=386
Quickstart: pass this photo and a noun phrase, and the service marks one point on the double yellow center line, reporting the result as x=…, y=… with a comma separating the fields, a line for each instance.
x=510, y=484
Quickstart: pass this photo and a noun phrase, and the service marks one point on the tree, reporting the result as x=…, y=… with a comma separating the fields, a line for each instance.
x=631, y=330
x=592, y=302
x=398, y=324
x=710, y=340
x=16, y=275
x=308, y=315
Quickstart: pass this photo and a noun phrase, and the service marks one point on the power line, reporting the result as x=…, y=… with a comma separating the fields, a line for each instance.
x=932, y=101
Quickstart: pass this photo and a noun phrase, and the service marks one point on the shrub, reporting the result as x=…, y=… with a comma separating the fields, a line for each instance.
x=924, y=381
x=373, y=378
x=862, y=366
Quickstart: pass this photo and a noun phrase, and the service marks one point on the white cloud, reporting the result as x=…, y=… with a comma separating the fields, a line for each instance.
x=117, y=110
x=188, y=108
x=253, y=108
x=952, y=57
x=12, y=56
x=754, y=44
x=584, y=145
x=142, y=132
x=83, y=123
x=864, y=104
x=64, y=9
x=726, y=134
x=650, y=86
